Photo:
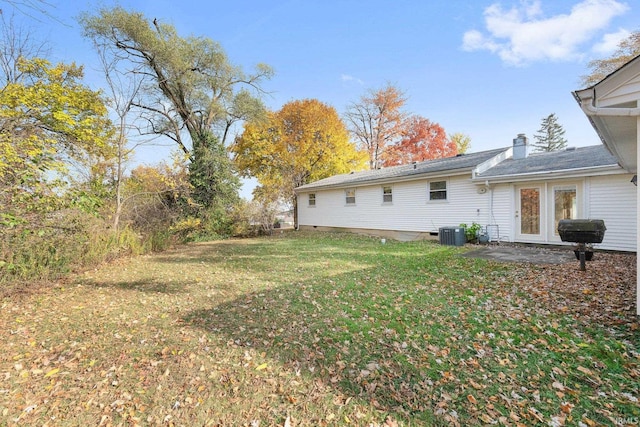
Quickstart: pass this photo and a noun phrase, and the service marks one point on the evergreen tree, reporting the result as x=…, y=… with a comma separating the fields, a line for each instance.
x=550, y=136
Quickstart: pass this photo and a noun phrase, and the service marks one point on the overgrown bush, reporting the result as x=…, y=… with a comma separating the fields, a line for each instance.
x=60, y=243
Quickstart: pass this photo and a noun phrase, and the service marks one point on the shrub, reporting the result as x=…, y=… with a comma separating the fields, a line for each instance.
x=471, y=231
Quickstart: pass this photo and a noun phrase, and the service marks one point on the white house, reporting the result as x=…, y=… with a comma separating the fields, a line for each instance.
x=612, y=107
x=519, y=197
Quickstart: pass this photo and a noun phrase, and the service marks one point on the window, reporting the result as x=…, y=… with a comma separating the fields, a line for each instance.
x=387, y=194
x=565, y=204
x=350, y=195
x=312, y=199
x=438, y=190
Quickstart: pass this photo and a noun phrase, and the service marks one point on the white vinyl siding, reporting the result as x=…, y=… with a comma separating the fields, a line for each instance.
x=409, y=211
x=503, y=207
x=613, y=199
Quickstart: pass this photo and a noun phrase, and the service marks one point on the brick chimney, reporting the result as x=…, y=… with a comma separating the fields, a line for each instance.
x=520, y=147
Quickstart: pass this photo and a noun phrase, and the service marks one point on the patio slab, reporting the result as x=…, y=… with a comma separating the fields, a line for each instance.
x=520, y=254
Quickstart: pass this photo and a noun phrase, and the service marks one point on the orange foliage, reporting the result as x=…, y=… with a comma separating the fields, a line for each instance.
x=421, y=140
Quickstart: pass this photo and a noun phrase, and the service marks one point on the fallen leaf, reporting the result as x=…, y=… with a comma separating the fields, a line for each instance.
x=585, y=370
x=52, y=372
x=487, y=419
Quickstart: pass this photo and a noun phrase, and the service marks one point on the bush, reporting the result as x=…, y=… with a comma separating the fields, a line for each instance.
x=471, y=231
x=66, y=241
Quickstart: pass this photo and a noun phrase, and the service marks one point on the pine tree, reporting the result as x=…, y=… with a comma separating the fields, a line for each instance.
x=550, y=136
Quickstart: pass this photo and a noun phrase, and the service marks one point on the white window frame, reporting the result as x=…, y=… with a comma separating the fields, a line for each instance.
x=351, y=202
x=387, y=198
x=312, y=200
x=430, y=191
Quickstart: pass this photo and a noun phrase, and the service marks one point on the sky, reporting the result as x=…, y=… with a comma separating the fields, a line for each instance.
x=488, y=69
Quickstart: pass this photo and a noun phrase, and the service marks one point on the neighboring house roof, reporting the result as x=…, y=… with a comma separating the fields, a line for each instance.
x=612, y=107
x=447, y=165
x=553, y=161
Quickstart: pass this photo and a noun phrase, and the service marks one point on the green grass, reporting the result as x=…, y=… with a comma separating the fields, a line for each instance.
x=322, y=329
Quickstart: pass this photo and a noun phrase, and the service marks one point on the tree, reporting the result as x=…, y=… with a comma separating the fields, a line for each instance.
x=27, y=7
x=194, y=92
x=16, y=42
x=48, y=120
x=462, y=141
x=303, y=142
x=628, y=49
x=550, y=136
x=421, y=140
x=122, y=91
x=377, y=121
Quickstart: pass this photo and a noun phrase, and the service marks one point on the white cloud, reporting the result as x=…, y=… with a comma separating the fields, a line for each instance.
x=523, y=34
x=349, y=78
x=610, y=42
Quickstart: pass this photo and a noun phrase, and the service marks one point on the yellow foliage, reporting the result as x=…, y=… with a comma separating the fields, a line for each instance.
x=303, y=142
x=47, y=119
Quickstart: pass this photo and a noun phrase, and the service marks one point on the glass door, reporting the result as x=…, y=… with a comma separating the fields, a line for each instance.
x=565, y=205
x=528, y=220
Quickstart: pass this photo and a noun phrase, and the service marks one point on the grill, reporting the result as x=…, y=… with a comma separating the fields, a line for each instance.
x=583, y=232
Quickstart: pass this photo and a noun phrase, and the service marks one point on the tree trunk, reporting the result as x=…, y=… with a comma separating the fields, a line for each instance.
x=295, y=211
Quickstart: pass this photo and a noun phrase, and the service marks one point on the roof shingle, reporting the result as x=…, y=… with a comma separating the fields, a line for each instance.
x=460, y=162
x=554, y=161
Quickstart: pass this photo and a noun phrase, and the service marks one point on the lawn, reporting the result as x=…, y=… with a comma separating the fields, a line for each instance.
x=324, y=329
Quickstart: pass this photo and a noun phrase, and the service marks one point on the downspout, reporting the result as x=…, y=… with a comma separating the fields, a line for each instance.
x=491, y=216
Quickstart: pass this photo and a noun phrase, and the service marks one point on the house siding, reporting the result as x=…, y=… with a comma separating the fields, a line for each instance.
x=410, y=210
x=629, y=93
x=502, y=210
x=613, y=199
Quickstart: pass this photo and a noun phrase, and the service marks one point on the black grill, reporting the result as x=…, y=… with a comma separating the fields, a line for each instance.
x=582, y=232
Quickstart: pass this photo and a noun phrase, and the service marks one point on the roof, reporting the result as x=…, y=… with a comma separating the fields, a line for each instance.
x=449, y=164
x=554, y=161
x=612, y=108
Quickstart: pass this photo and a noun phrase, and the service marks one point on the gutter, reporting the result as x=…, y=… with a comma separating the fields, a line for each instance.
x=588, y=105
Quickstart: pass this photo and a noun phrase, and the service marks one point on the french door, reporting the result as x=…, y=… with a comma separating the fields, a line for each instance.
x=539, y=208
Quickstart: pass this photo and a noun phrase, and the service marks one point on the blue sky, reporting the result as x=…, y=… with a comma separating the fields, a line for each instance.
x=489, y=69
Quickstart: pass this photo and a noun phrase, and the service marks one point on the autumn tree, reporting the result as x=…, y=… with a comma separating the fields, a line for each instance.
x=550, y=136
x=194, y=96
x=303, y=142
x=153, y=195
x=376, y=121
x=628, y=49
x=49, y=121
x=462, y=141
x=421, y=140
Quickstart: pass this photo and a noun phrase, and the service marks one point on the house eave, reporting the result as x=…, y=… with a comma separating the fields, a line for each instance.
x=567, y=173
x=616, y=125
x=390, y=180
